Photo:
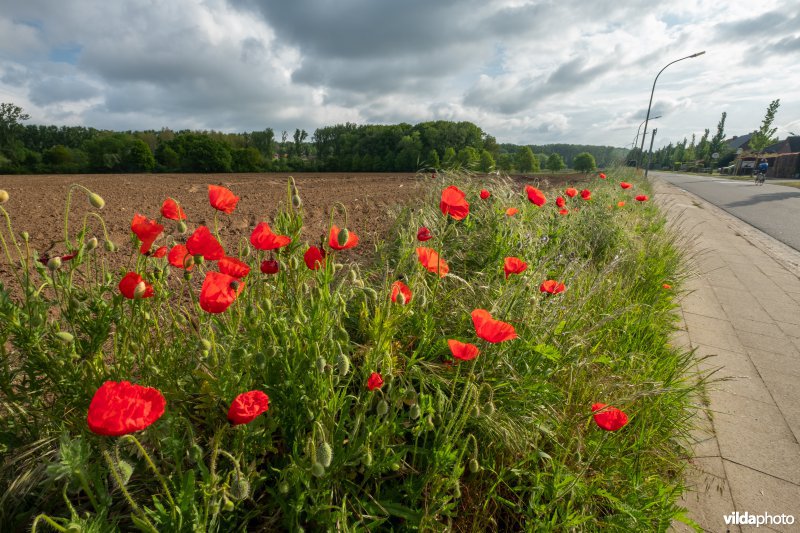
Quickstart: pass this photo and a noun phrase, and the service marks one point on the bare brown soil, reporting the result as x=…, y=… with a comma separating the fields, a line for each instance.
x=37, y=203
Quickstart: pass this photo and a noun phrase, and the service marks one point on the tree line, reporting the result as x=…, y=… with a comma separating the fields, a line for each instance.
x=346, y=147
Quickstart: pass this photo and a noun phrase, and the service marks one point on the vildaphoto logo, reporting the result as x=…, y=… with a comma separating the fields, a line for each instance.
x=765, y=519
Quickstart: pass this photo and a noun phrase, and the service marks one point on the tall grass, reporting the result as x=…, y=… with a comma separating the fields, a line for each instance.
x=505, y=441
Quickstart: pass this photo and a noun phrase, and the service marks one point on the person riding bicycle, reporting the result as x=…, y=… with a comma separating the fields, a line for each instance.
x=763, y=166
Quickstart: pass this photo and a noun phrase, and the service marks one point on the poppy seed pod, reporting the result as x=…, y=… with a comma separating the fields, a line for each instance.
x=3, y=196
x=317, y=470
x=344, y=234
x=91, y=244
x=324, y=454
x=199, y=259
x=96, y=200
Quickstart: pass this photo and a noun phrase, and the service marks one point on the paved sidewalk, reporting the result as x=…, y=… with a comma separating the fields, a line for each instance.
x=742, y=316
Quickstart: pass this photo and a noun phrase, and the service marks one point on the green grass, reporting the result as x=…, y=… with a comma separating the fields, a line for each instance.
x=505, y=441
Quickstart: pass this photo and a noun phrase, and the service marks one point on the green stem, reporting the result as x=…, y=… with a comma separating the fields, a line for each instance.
x=128, y=497
x=47, y=519
x=152, y=467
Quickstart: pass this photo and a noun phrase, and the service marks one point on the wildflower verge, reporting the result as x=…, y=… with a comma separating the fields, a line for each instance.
x=273, y=383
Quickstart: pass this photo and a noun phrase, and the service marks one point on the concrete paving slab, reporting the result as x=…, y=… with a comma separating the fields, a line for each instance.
x=790, y=330
x=757, y=493
x=788, y=364
x=770, y=343
x=712, y=332
x=783, y=389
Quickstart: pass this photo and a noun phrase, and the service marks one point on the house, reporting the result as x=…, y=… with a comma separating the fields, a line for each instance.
x=743, y=142
x=786, y=146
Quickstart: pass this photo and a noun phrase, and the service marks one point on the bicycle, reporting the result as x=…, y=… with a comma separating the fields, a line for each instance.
x=759, y=176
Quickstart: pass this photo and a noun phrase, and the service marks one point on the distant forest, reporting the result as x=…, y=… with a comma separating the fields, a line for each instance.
x=26, y=149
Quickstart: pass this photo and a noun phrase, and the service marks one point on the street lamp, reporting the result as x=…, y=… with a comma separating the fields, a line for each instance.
x=636, y=139
x=644, y=135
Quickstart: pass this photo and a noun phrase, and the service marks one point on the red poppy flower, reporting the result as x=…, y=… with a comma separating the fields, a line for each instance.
x=67, y=257
x=564, y=211
x=375, y=381
x=514, y=265
x=128, y=284
x=642, y=198
x=551, y=286
x=454, y=202
x=586, y=194
x=602, y=176
x=511, y=211
x=222, y=199
x=270, y=266
x=463, y=350
x=608, y=418
x=625, y=185
x=400, y=291
x=333, y=239
x=247, y=406
x=571, y=192
x=667, y=286
x=219, y=291
x=560, y=201
x=314, y=258
x=485, y=194
x=263, y=238
x=177, y=257
x=424, y=234
x=233, y=267
x=202, y=242
x=432, y=262
x=171, y=210
x=146, y=230
x=159, y=253
x=535, y=196
x=119, y=408
x=620, y=204
x=490, y=329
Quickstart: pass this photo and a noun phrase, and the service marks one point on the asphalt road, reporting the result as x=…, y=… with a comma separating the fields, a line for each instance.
x=774, y=209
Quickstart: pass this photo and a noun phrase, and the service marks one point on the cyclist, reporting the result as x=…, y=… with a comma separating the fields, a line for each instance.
x=763, y=166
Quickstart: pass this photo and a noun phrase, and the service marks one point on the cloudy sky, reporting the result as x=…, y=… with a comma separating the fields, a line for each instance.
x=527, y=72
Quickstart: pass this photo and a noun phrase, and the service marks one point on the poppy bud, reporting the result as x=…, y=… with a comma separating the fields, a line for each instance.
x=294, y=262
x=73, y=528
x=324, y=454
x=199, y=259
x=353, y=276
x=227, y=505
x=182, y=227
x=54, y=263
x=321, y=365
x=240, y=488
x=476, y=411
x=401, y=298
x=25, y=236
x=139, y=291
x=343, y=236
x=382, y=408
x=296, y=201
x=366, y=459
x=110, y=246
x=429, y=423
x=125, y=472
x=474, y=467
x=414, y=412
x=91, y=244
x=343, y=364
x=65, y=336
x=96, y=200
x=206, y=344
x=317, y=470
x=457, y=490
x=490, y=408
x=246, y=251
x=187, y=275
x=3, y=196
x=283, y=487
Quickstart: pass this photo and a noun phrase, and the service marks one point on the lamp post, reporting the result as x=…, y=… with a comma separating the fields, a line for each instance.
x=644, y=135
x=636, y=139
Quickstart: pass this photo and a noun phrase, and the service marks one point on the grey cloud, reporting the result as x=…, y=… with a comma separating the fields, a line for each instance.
x=54, y=90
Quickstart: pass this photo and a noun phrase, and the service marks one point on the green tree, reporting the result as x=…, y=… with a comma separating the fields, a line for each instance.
x=555, y=162
x=526, y=161
x=584, y=162
x=246, y=159
x=719, y=137
x=766, y=133
x=703, y=147
x=57, y=156
x=449, y=159
x=137, y=157
x=468, y=157
x=487, y=161
x=10, y=117
x=433, y=159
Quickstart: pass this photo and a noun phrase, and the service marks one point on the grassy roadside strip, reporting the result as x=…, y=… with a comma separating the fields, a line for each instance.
x=503, y=441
